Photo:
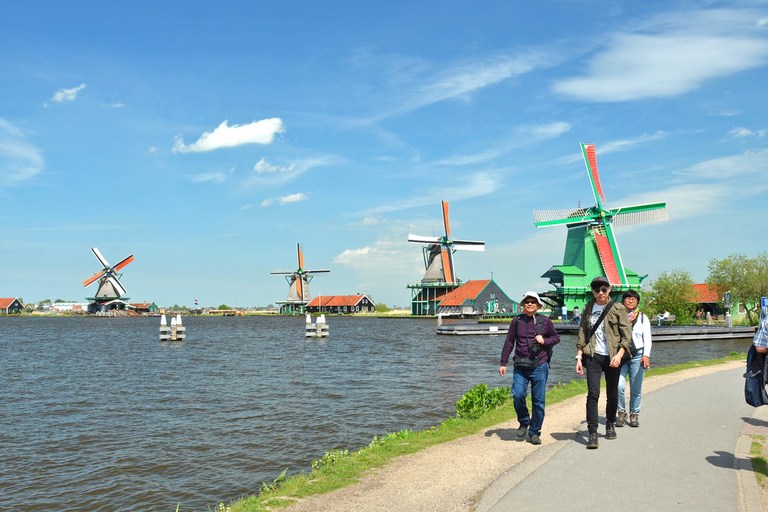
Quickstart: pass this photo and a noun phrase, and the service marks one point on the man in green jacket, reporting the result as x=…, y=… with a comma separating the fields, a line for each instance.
x=602, y=353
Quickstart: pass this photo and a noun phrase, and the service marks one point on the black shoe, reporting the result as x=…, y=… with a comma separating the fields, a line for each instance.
x=522, y=430
x=634, y=421
x=592, y=443
x=610, y=432
x=621, y=418
x=535, y=439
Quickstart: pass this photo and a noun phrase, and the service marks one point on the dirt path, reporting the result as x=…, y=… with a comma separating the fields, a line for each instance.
x=452, y=476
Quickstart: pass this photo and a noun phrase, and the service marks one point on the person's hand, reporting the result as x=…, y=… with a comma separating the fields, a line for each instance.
x=646, y=362
x=616, y=360
x=539, y=339
x=502, y=370
x=579, y=367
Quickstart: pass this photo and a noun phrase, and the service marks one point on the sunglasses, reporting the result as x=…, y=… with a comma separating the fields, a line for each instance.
x=598, y=289
x=529, y=302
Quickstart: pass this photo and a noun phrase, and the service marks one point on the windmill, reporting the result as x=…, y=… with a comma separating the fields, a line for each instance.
x=109, y=280
x=298, y=286
x=440, y=276
x=591, y=249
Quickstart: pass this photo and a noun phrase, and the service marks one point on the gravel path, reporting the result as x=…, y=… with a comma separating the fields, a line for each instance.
x=452, y=476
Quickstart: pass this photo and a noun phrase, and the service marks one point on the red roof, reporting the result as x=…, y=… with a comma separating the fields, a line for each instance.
x=335, y=300
x=469, y=290
x=5, y=303
x=705, y=293
x=140, y=305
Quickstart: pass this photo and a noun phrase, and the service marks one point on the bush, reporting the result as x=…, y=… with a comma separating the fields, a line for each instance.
x=479, y=400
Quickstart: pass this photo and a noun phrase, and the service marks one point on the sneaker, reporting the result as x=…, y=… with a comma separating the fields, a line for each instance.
x=634, y=421
x=592, y=443
x=610, y=432
x=621, y=418
x=522, y=430
x=535, y=439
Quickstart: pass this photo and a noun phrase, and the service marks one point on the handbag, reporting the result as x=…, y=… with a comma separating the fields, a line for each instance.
x=524, y=363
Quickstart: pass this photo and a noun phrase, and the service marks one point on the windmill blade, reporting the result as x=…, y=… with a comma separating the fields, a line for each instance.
x=316, y=271
x=445, y=219
x=300, y=257
x=424, y=239
x=124, y=262
x=300, y=287
x=116, y=283
x=588, y=150
x=447, y=256
x=467, y=245
x=641, y=214
x=610, y=256
x=546, y=218
x=282, y=273
x=102, y=260
x=93, y=278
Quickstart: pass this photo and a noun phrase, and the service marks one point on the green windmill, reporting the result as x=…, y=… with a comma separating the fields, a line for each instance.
x=591, y=249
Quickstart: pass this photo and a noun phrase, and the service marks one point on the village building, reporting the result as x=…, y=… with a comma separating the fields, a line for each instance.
x=59, y=307
x=144, y=307
x=11, y=306
x=341, y=304
x=477, y=298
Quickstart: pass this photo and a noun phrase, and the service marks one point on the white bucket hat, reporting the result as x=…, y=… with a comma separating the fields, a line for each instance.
x=533, y=295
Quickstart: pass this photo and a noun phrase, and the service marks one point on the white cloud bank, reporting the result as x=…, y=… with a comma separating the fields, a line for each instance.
x=67, y=94
x=264, y=166
x=19, y=160
x=224, y=136
x=291, y=198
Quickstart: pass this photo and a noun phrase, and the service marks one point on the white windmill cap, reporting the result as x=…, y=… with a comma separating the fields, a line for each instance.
x=533, y=295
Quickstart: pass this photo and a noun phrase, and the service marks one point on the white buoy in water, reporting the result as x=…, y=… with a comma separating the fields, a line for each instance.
x=173, y=328
x=181, y=331
x=164, y=332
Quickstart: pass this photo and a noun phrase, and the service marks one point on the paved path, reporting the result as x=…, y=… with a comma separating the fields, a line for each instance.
x=682, y=457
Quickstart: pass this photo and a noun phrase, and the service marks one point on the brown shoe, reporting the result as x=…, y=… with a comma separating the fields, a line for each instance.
x=592, y=443
x=610, y=432
x=634, y=421
x=621, y=418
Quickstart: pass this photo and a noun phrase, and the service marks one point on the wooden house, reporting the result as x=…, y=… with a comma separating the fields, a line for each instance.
x=11, y=306
x=477, y=298
x=144, y=307
x=340, y=304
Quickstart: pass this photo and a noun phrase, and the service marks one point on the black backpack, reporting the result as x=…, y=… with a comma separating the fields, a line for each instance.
x=539, y=325
x=754, y=385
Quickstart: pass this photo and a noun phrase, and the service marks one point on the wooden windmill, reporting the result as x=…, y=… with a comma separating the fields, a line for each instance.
x=440, y=275
x=591, y=249
x=298, y=286
x=110, y=289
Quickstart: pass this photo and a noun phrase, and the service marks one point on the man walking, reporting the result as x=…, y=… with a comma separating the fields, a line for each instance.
x=531, y=337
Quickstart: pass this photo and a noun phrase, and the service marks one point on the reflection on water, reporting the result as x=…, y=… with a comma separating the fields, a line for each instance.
x=97, y=414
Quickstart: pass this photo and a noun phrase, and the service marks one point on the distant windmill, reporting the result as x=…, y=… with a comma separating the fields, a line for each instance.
x=298, y=284
x=591, y=248
x=109, y=279
x=438, y=253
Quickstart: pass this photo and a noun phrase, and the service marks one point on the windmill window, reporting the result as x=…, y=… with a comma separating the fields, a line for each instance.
x=493, y=295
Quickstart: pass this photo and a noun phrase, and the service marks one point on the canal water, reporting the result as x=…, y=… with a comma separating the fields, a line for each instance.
x=97, y=414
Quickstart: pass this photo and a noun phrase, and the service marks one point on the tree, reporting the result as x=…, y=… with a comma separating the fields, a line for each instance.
x=674, y=291
x=381, y=307
x=745, y=278
x=224, y=307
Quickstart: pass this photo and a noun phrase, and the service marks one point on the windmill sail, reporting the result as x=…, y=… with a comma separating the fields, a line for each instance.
x=298, y=280
x=109, y=279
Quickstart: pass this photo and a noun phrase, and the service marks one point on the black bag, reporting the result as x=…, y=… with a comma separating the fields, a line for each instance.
x=525, y=363
x=754, y=385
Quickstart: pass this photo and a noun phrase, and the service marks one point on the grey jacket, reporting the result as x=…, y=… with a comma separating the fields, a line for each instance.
x=618, y=332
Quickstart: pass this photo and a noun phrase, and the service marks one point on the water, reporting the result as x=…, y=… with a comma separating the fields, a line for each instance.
x=97, y=414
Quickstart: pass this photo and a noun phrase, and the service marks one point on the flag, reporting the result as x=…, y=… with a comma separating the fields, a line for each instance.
x=195, y=302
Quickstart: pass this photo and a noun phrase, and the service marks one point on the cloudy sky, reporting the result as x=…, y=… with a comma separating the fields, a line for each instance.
x=208, y=140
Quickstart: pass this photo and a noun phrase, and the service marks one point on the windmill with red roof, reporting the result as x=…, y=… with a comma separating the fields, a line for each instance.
x=591, y=249
x=111, y=293
x=298, y=286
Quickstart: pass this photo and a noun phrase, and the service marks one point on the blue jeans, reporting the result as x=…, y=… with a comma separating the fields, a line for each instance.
x=635, y=370
x=538, y=379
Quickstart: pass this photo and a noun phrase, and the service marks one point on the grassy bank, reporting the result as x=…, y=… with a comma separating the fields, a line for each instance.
x=341, y=468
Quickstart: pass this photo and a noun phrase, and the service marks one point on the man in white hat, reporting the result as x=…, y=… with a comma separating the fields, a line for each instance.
x=532, y=337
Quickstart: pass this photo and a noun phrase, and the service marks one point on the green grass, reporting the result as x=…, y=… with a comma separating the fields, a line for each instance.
x=344, y=468
x=759, y=463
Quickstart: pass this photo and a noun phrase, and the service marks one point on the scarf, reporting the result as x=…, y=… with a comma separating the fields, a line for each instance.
x=633, y=314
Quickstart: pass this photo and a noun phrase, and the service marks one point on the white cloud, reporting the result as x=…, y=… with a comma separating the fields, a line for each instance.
x=19, y=159
x=612, y=146
x=388, y=256
x=741, y=132
x=118, y=105
x=246, y=207
x=67, y=94
x=762, y=22
x=152, y=149
x=749, y=163
x=291, y=198
x=686, y=50
x=257, y=132
x=264, y=166
x=523, y=136
x=273, y=178
x=211, y=177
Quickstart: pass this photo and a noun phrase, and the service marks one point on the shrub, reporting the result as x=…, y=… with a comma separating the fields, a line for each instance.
x=479, y=400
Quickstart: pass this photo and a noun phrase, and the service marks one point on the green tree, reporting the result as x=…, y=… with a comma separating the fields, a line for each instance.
x=674, y=291
x=745, y=278
x=382, y=308
x=223, y=307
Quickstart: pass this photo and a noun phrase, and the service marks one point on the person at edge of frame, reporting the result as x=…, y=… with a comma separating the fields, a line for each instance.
x=602, y=353
x=522, y=337
x=760, y=340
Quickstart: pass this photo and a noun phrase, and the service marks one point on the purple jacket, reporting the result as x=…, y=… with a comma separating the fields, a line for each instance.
x=525, y=334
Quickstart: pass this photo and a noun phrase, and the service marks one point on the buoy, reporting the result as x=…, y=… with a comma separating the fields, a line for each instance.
x=173, y=328
x=180, y=329
x=319, y=330
x=164, y=332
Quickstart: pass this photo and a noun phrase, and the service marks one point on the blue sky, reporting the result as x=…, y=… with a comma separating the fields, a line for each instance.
x=208, y=139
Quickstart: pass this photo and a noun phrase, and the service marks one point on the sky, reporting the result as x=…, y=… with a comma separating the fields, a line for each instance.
x=209, y=139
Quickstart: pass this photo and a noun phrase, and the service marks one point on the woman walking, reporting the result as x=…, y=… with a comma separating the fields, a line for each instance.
x=635, y=367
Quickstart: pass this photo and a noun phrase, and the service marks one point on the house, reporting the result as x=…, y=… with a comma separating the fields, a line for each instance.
x=11, y=306
x=707, y=300
x=340, y=304
x=477, y=298
x=145, y=307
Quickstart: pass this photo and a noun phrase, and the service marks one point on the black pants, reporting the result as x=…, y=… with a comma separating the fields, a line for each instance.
x=594, y=367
